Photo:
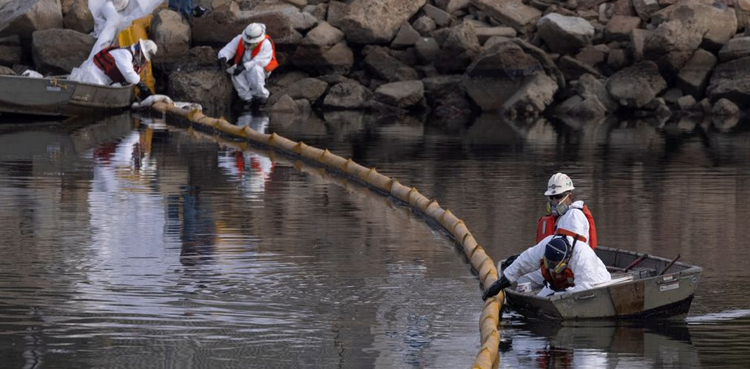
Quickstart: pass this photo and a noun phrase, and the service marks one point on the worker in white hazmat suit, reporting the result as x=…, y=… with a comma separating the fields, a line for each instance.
x=251, y=57
x=117, y=66
x=567, y=265
x=113, y=16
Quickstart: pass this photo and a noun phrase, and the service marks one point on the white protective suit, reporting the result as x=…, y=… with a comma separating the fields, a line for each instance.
x=113, y=16
x=574, y=221
x=90, y=73
x=587, y=268
x=252, y=81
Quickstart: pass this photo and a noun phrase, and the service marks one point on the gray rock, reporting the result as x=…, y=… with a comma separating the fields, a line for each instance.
x=439, y=16
x=310, y=89
x=590, y=86
x=573, y=69
x=385, y=67
x=58, y=51
x=405, y=37
x=405, y=94
x=338, y=58
x=672, y=95
x=685, y=103
x=532, y=98
x=377, y=21
x=637, y=42
x=637, y=85
x=497, y=73
x=427, y=49
x=485, y=33
x=459, y=50
x=513, y=13
x=285, y=104
x=336, y=13
x=593, y=55
x=424, y=25
x=620, y=28
x=564, y=34
x=5, y=71
x=617, y=59
x=25, y=18
x=210, y=88
x=442, y=86
x=693, y=77
x=451, y=6
x=10, y=50
x=347, y=95
x=725, y=115
x=323, y=35
x=171, y=33
x=715, y=24
x=731, y=80
x=219, y=27
x=645, y=8
x=78, y=17
x=734, y=49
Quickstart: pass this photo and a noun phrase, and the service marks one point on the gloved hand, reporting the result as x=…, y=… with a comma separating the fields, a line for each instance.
x=509, y=261
x=496, y=287
x=144, y=90
x=231, y=69
x=240, y=68
x=222, y=63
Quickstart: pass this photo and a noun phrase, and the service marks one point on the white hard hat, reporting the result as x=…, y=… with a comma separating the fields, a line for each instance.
x=120, y=4
x=558, y=184
x=148, y=48
x=254, y=33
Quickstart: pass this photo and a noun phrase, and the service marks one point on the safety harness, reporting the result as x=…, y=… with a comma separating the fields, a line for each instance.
x=106, y=62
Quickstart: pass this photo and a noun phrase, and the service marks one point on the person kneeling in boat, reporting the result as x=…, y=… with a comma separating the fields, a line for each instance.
x=568, y=265
x=251, y=57
x=118, y=66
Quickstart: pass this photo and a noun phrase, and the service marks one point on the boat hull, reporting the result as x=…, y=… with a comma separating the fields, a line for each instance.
x=60, y=97
x=648, y=296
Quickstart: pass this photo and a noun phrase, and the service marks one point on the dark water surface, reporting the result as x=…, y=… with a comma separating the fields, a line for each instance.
x=130, y=243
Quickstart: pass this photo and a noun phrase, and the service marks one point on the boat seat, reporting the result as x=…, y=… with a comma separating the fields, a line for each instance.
x=616, y=279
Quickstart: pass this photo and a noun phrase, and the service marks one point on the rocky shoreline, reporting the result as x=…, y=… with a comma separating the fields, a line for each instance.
x=579, y=60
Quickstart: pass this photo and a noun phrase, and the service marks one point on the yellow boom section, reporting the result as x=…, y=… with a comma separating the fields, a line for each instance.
x=137, y=31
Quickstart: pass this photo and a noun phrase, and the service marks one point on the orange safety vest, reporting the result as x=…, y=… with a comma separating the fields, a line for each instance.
x=273, y=64
x=558, y=281
x=106, y=62
x=545, y=226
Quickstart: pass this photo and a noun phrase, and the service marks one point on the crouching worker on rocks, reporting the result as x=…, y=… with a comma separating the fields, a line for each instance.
x=251, y=57
x=567, y=265
x=118, y=66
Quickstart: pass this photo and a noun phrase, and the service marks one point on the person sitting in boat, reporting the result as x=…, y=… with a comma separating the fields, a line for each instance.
x=561, y=207
x=251, y=57
x=118, y=66
x=566, y=263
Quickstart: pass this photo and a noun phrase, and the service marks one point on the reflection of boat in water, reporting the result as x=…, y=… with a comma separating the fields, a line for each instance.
x=598, y=344
x=655, y=288
x=59, y=96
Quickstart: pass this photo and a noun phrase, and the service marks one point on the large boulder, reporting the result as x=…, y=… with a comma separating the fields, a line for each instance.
x=620, y=28
x=451, y=6
x=171, y=32
x=210, y=88
x=716, y=23
x=377, y=21
x=734, y=49
x=323, y=50
x=219, y=27
x=693, y=78
x=497, y=73
x=26, y=17
x=532, y=98
x=513, y=13
x=404, y=94
x=77, y=16
x=348, y=95
x=563, y=34
x=385, y=67
x=671, y=45
x=58, y=51
x=637, y=85
x=10, y=50
x=310, y=89
x=731, y=80
x=458, y=50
